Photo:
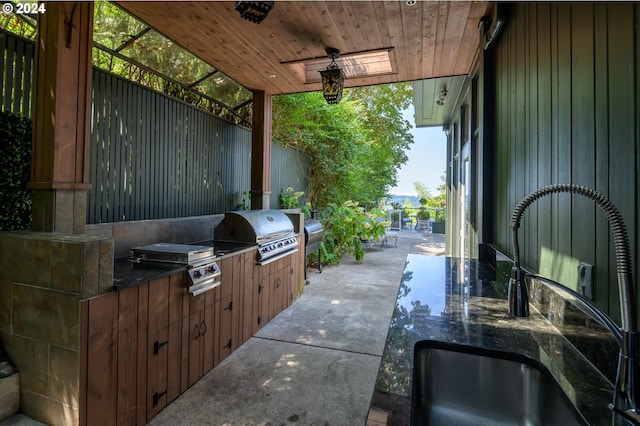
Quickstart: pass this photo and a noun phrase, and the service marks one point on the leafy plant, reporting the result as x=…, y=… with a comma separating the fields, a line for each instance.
x=15, y=164
x=245, y=202
x=345, y=227
x=289, y=199
x=355, y=147
x=423, y=214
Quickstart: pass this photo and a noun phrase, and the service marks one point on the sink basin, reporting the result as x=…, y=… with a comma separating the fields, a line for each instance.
x=456, y=384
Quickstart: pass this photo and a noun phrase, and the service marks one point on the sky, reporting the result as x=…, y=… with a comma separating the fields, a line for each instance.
x=427, y=159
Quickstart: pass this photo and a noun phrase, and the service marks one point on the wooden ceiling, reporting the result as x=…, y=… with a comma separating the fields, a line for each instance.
x=427, y=40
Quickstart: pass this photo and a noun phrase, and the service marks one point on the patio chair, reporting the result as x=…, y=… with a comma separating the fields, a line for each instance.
x=390, y=236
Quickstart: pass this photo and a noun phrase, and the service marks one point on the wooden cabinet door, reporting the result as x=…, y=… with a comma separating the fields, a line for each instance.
x=207, y=329
x=195, y=348
x=249, y=298
x=277, y=291
x=256, y=302
x=226, y=277
x=196, y=345
x=237, y=285
x=127, y=357
x=158, y=339
x=265, y=292
x=178, y=360
x=174, y=353
x=98, y=386
x=224, y=316
x=290, y=283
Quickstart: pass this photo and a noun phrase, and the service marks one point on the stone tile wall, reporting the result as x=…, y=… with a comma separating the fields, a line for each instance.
x=43, y=278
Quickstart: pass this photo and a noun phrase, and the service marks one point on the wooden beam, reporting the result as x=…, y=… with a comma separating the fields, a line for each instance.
x=261, y=151
x=62, y=117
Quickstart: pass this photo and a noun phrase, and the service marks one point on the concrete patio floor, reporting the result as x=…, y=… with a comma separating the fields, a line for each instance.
x=315, y=363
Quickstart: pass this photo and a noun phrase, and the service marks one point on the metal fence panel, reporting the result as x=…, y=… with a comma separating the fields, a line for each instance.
x=16, y=69
x=151, y=156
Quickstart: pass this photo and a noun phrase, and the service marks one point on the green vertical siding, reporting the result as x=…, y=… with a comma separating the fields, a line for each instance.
x=566, y=111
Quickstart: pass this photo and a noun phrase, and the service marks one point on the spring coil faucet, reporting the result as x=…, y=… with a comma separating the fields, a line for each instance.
x=626, y=399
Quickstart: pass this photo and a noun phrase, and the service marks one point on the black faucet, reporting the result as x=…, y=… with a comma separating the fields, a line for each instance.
x=626, y=398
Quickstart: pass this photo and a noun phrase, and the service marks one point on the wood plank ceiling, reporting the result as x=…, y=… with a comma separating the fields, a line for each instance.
x=427, y=40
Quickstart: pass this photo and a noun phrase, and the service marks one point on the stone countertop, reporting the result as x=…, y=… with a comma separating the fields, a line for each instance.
x=127, y=273
x=442, y=299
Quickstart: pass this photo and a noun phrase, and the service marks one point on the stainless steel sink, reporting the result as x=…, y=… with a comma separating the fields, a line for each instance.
x=463, y=385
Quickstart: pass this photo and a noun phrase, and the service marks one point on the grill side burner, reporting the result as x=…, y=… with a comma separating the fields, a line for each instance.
x=272, y=230
x=204, y=273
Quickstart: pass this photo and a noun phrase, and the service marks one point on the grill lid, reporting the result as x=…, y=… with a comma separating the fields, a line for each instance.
x=313, y=230
x=186, y=254
x=253, y=226
x=313, y=233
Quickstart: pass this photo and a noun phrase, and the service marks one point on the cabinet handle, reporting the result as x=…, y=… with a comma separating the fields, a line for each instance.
x=157, y=396
x=203, y=325
x=230, y=307
x=197, y=327
x=228, y=345
x=260, y=287
x=157, y=345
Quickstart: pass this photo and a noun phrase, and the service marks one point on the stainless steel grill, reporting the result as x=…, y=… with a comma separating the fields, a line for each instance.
x=313, y=233
x=272, y=230
x=204, y=273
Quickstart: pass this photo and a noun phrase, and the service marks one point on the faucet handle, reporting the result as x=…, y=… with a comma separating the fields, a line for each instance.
x=518, y=294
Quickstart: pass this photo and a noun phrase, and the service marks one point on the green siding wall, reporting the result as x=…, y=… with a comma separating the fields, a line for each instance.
x=566, y=111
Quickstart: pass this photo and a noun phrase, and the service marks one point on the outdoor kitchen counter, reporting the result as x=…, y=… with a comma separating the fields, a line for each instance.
x=127, y=273
x=440, y=300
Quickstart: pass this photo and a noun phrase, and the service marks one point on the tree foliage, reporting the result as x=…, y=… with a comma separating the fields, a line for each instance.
x=438, y=200
x=356, y=147
x=147, y=57
x=346, y=226
x=15, y=164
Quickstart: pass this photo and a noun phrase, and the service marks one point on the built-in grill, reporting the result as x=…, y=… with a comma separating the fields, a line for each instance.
x=272, y=230
x=313, y=233
x=204, y=273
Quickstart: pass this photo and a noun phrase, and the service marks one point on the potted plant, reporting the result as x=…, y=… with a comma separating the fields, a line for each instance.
x=438, y=227
x=423, y=214
x=423, y=217
x=395, y=219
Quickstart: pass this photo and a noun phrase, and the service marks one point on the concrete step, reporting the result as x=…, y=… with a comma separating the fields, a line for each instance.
x=9, y=396
x=20, y=419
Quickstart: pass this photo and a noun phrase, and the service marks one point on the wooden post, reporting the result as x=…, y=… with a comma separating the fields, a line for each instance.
x=62, y=117
x=261, y=151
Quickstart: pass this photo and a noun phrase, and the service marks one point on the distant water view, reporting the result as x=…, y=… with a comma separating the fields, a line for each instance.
x=415, y=201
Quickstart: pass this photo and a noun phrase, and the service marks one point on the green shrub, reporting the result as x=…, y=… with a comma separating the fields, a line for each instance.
x=345, y=227
x=289, y=199
x=15, y=165
x=423, y=214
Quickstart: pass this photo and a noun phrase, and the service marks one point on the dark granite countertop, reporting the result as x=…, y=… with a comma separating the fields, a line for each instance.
x=443, y=299
x=127, y=273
